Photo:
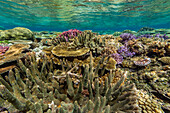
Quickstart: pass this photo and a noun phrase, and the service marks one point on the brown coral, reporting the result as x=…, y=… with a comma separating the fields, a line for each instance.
x=64, y=51
x=31, y=90
x=165, y=60
x=147, y=104
x=15, y=52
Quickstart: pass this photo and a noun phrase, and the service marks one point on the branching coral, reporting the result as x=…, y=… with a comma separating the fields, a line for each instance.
x=33, y=87
x=15, y=52
x=86, y=39
x=3, y=49
x=125, y=51
x=126, y=37
x=117, y=57
x=66, y=35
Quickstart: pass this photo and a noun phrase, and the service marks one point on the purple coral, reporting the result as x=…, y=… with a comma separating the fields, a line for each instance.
x=146, y=35
x=161, y=36
x=3, y=49
x=157, y=35
x=127, y=36
x=66, y=35
x=125, y=52
x=117, y=57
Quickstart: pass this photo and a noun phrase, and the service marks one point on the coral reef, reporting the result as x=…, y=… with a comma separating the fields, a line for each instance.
x=87, y=73
x=145, y=29
x=86, y=39
x=31, y=90
x=156, y=48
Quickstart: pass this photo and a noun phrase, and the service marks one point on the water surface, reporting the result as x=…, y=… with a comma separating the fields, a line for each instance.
x=96, y=15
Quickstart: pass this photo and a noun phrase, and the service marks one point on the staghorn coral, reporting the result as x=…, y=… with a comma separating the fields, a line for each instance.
x=33, y=87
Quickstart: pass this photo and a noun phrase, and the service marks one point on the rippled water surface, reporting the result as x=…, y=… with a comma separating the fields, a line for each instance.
x=85, y=14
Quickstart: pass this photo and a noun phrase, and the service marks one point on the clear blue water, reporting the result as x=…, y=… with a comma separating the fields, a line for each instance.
x=96, y=15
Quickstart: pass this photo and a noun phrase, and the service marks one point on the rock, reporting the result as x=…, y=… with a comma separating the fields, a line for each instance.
x=18, y=33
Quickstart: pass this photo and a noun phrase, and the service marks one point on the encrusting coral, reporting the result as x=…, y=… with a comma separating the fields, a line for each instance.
x=36, y=87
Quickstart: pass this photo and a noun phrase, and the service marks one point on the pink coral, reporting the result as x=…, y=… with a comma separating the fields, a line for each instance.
x=66, y=35
x=3, y=49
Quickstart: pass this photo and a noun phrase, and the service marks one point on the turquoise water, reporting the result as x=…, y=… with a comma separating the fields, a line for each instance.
x=96, y=15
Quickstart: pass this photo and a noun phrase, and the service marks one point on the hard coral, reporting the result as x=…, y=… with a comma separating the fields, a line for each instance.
x=34, y=87
x=125, y=51
x=67, y=51
x=117, y=57
x=3, y=49
x=15, y=52
x=66, y=35
x=126, y=37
